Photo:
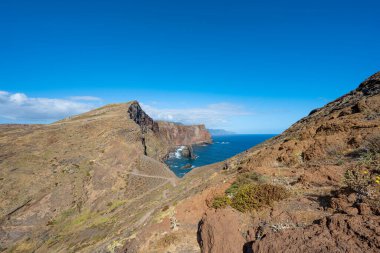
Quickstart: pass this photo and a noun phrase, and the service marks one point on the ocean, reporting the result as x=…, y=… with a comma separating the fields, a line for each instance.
x=223, y=147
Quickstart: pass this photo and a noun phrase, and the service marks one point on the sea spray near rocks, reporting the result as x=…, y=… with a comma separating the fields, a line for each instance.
x=222, y=148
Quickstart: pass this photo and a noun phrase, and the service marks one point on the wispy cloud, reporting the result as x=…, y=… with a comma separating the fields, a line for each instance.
x=85, y=98
x=213, y=115
x=18, y=107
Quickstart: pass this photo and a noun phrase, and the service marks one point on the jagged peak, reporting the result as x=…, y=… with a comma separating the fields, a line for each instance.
x=138, y=115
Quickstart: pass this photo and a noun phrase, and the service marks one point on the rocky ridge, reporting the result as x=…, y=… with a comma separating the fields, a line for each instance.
x=72, y=184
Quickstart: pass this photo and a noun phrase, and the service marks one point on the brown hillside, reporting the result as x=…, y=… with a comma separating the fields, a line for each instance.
x=78, y=181
x=323, y=211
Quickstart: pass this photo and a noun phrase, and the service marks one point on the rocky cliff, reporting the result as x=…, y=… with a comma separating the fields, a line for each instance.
x=167, y=135
x=184, y=135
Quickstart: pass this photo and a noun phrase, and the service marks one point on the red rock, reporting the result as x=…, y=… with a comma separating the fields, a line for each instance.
x=220, y=232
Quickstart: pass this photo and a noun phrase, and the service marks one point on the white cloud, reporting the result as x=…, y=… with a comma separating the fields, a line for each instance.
x=18, y=107
x=213, y=115
x=85, y=98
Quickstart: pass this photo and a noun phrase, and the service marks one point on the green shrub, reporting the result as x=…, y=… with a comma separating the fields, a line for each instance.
x=221, y=202
x=252, y=196
x=358, y=180
x=364, y=177
x=242, y=179
x=231, y=191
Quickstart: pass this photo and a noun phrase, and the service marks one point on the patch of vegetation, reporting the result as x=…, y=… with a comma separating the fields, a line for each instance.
x=221, y=202
x=364, y=177
x=167, y=240
x=253, y=196
x=112, y=206
x=26, y=245
x=249, y=192
x=245, y=178
x=358, y=180
x=71, y=220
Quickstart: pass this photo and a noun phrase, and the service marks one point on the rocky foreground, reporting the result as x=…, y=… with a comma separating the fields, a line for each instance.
x=96, y=183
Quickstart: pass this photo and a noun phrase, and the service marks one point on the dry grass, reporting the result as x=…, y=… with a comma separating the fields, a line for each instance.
x=167, y=240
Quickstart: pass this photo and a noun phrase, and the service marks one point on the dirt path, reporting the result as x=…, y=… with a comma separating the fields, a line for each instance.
x=171, y=180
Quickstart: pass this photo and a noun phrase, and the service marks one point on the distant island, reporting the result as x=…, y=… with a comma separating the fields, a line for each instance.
x=219, y=132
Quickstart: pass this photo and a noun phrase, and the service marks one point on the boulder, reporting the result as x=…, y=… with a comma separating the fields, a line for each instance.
x=187, y=151
x=219, y=232
x=187, y=166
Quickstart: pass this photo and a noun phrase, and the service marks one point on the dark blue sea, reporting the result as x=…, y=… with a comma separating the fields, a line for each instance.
x=223, y=148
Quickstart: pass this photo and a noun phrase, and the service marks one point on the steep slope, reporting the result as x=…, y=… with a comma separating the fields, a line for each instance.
x=309, y=160
x=79, y=181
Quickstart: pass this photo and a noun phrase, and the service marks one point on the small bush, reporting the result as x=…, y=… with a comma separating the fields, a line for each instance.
x=358, y=180
x=251, y=196
x=242, y=179
x=364, y=177
x=221, y=202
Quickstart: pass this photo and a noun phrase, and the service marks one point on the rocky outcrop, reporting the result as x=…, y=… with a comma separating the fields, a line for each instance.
x=169, y=134
x=141, y=118
x=188, y=152
x=371, y=86
x=184, y=135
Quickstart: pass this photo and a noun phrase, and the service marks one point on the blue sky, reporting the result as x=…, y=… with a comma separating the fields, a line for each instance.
x=245, y=66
